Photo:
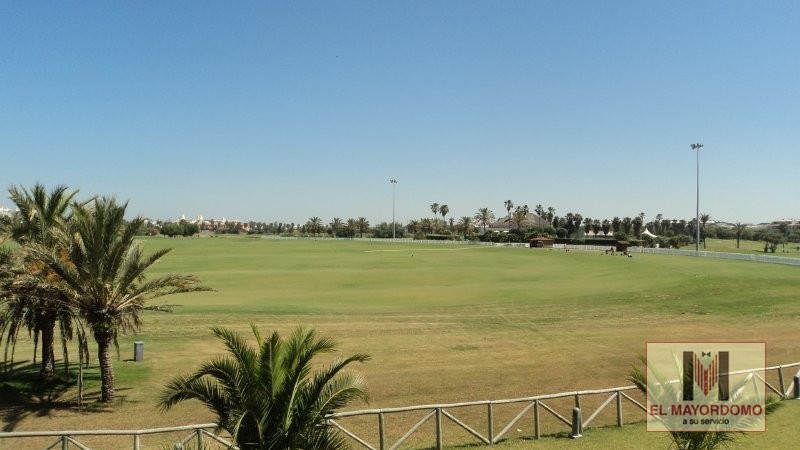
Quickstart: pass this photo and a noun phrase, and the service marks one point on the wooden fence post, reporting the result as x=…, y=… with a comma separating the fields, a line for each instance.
x=381, y=432
x=536, y=429
x=201, y=445
x=439, y=429
x=780, y=380
x=796, y=387
x=619, y=409
x=491, y=424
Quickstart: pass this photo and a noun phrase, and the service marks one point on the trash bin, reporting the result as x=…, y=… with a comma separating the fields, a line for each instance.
x=138, y=351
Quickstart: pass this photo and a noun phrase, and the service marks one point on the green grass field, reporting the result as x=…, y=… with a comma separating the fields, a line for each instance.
x=790, y=250
x=442, y=323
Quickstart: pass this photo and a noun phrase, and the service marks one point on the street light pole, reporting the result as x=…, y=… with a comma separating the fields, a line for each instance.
x=394, y=185
x=697, y=147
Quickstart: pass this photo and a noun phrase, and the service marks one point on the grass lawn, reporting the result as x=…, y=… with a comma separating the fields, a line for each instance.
x=790, y=250
x=442, y=323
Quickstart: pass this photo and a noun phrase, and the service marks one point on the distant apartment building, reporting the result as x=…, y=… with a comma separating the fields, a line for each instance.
x=790, y=224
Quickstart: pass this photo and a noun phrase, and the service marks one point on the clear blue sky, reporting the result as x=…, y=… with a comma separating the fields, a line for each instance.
x=279, y=111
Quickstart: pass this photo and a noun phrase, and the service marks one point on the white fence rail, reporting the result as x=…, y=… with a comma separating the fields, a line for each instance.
x=721, y=255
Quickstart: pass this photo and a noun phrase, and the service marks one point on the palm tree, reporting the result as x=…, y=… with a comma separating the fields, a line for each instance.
x=443, y=210
x=739, y=230
x=637, y=225
x=551, y=212
x=519, y=216
x=435, y=210
x=336, y=225
x=605, y=225
x=616, y=224
x=41, y=214
x=363, y=226
x=314, y=224
x=352, y=226
x=587, y=225
x=465, y=225
x=267, y=397
x=657, y=223
x=484, y=217
x=704, y=218
x=509, y=205
x=102, y=269
x=597, y=226
x=413, y=226
x=627, y=223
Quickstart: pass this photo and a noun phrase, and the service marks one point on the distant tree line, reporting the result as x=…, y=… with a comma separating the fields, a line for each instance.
x=515, y=226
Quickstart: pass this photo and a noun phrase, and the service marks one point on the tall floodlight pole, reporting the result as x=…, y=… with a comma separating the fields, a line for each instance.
x=697, y=147
x=394, y=185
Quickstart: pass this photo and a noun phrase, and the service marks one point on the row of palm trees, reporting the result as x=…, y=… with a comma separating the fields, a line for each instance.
x=76, y=267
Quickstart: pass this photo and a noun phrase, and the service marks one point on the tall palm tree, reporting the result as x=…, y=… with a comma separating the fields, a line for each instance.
x=605, y=225
x=336, y=225
x=352, y=226
x=739, y=229
x=101, y=267
x=363, y=226
x=704, y=218
x=435, y=210
x=627, y=224
x=508, y=205
x=267, y=397
x=597, y=226
x=484, y=217
x=657, y=223
x=41, y=215
x=551, y=212
x=314, y=224
x=616, y=225
x=444, y=210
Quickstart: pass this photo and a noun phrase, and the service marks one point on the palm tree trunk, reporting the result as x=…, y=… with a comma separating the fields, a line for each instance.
x=47, y=370
x=103, y=339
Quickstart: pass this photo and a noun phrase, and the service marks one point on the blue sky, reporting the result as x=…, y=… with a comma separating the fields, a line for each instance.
x=279, y=111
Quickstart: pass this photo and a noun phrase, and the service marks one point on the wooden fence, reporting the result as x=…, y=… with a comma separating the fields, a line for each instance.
x=197, y=439
x=539, y=407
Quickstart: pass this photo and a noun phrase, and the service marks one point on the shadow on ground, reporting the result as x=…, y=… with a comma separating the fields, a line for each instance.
x=23, y=393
